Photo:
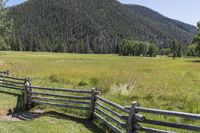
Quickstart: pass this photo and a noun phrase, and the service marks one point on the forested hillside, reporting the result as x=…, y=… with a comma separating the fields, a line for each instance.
x=90, y=26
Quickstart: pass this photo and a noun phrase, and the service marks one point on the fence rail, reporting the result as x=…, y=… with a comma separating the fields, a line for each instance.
x=165, y=112
x=118, y=118
x=62, y=90
x=4, y=72
x=168, y=113
x=62, y=105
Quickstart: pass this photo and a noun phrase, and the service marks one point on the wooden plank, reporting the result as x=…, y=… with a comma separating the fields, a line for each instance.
x=3, y=72
x=8, y=77
x=112, y=112
x=60, y=100
x=112, y=104
x=9, y=81
x=63, y=96
x=9, y=84
x=151, y=130
x=61, y=105
x=63, y=90
x=114, y=128
x=139, y=117
x=173, y=125
x=110, y=117
x=166, y=112
x=11, y=87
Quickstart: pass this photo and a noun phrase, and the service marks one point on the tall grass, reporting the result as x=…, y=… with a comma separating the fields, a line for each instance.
x=159, y=82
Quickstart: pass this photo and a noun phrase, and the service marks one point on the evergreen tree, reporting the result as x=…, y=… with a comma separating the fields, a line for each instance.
x=197, y=40
x=175, y=49
x=152, y=50
x=5, y=27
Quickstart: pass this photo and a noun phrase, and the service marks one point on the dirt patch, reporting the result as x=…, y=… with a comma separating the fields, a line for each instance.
x=20, y=116
x=9, y=118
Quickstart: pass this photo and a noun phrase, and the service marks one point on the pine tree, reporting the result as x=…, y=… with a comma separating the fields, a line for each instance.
x=176, y=49
x=5, y=27
x=197, y=40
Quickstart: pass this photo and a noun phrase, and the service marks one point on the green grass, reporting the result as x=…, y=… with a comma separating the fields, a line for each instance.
x=159, y=82
x=52, y=122
x=48, y=125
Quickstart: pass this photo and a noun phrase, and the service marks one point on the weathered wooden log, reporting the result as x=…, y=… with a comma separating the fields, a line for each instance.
x=63, y=90
x=14, y=82
x=111, y=111
x=173, y=125
x=11, y=87
x=151, y=130
x=112, y=104
x=62, y=96
x=5, y=72
x=139, y=117
x=131, y=121
x=112, y=127
x=61, y=105
x=60, y=100
x=94, y=92
x=8, y=77
x=166, y=112
x=27, y=94
x=99, y=111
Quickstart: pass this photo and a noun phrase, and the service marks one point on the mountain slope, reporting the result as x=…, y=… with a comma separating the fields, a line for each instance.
x=86, y=26
x=155, y=16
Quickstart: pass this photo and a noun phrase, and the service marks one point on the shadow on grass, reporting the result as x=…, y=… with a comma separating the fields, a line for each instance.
x=34, y=115
x=19, y=113
x=195, y=61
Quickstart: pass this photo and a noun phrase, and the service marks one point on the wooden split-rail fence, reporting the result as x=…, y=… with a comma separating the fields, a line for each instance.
x=119, y=119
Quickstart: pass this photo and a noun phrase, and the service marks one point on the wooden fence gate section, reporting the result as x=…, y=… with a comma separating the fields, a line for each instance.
x=75, y=99
x=120, y=119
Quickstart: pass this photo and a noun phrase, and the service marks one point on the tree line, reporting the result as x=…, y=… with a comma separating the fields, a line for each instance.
x=137, y=48
x=80, y=42
x=5, y=27
x=194, y=48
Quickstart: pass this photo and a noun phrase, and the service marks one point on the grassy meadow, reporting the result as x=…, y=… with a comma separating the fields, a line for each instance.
x=159, y=82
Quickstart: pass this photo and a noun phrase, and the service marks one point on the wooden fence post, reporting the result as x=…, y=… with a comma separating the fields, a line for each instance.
x=7, y=73
x=131, y=124
x=27, y=94
x=93, y=101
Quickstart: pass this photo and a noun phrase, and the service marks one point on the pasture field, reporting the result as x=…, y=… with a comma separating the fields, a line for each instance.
x=158, y=82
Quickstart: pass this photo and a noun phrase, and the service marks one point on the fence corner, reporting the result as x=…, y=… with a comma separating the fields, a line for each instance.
x=27, y=93
x=94, y=92
x=131, y=124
